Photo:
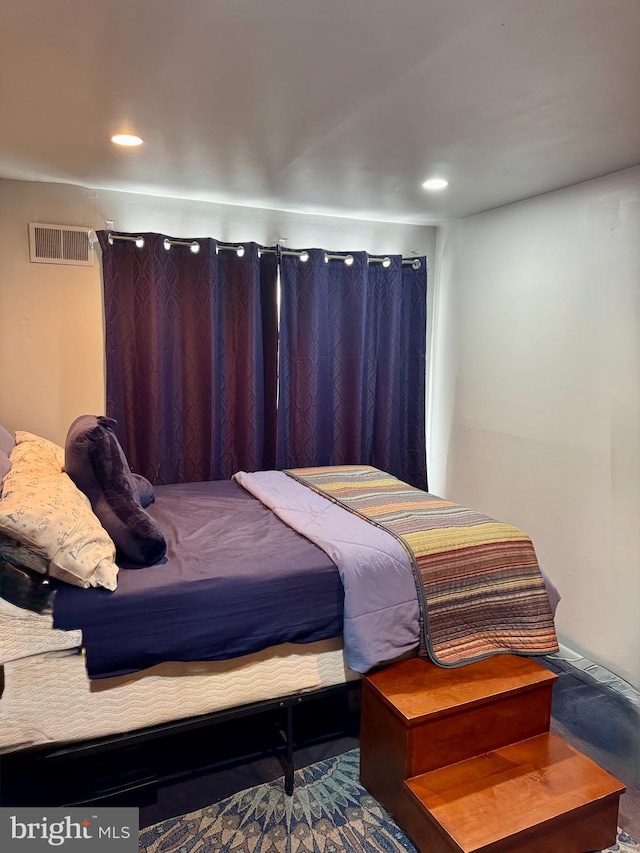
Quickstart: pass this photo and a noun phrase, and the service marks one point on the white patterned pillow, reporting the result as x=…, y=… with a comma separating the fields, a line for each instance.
x=45, y=511
x=35, y=453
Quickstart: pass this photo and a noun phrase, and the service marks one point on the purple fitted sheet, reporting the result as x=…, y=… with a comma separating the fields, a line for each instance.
x=236, y=580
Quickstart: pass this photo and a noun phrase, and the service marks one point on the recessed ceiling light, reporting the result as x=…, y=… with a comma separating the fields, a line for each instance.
x=126, y=139
x=435, y=184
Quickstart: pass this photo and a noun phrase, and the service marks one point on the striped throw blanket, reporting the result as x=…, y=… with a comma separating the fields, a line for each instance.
x=479, y=586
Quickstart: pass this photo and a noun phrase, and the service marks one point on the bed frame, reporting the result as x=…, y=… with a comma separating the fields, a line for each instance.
x=127, y=768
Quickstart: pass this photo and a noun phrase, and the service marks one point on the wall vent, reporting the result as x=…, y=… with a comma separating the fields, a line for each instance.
x=60, y=244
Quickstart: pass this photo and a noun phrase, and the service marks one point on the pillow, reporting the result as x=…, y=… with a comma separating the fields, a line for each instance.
x=45, y=511
x=35, y=453
x=96, y=463
x=146, y=494
x=7, y=441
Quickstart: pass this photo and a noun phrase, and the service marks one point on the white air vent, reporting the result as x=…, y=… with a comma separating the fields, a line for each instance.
x=60, y=244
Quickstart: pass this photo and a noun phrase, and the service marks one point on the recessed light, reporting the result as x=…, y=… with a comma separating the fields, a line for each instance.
x=435, y=184
x=126, y=139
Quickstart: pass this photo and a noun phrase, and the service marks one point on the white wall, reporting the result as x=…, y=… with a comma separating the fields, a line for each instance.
x=536, y=395
x=51, y=322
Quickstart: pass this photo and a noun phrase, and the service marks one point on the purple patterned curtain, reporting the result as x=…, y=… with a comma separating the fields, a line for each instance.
x=353, y=364
x=191, y=348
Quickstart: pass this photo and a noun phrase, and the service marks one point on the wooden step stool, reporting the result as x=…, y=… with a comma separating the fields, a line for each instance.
x=463, y=759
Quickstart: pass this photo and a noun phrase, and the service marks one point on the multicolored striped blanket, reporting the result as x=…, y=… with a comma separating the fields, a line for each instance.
x=479, y=586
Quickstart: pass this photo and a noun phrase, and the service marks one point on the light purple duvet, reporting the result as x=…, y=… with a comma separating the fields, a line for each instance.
x=381, y=617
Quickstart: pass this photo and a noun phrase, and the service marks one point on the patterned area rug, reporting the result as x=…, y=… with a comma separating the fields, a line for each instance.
x=330, y=812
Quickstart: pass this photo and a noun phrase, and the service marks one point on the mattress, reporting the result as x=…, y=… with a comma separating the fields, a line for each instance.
x=49, y=699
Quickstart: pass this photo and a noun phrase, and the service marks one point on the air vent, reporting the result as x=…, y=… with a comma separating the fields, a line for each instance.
x=60, y=244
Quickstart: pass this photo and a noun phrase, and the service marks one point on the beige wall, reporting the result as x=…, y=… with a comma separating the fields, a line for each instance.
x=51, y=323
x=535, y=407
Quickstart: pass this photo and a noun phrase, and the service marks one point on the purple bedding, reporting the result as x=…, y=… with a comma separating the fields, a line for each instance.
x=236, y=580
x=381, y=616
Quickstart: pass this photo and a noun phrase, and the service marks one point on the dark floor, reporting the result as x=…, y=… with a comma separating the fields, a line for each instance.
x=591, y=716
x=605, y=726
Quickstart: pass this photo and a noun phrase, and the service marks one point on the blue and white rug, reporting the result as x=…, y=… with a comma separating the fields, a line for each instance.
x=330, y=812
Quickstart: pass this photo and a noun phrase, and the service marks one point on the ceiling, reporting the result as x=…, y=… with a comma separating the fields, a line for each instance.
x=340, y=107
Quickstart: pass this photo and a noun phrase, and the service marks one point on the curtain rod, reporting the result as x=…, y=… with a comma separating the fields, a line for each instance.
x=348, y=259
x=239, y=249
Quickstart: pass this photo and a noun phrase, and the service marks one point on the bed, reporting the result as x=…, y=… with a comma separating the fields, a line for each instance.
x=130, y=651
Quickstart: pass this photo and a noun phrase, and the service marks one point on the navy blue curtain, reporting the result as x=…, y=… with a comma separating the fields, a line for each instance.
x=353, y=364
x=191, y=348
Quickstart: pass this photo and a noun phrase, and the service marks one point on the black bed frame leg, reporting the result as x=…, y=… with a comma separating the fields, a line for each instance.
x=288, y=779
x=286, y=757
